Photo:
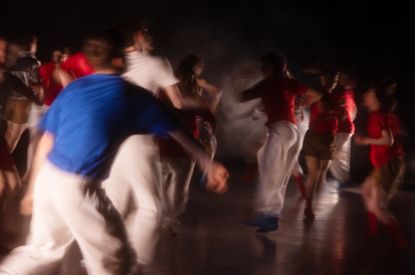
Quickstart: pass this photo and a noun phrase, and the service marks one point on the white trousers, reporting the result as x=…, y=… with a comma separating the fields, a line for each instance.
x=176, y=176
x=67, y=208
x=276, y=160
x=135, y=173
x=340, y=165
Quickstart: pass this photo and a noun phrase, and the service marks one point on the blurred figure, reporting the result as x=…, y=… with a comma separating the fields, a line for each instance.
x=344, y=94
x=27, y=69
x=176, y=167
x=279, y=153
x=9, y=179
x=19, y=112
x=318, y=144
x=136, y=167
x=71, y=67
x=80, y=137
x=189, y=72
x=387, y=157
x=3, y=50
x=50, y=86
x=302, y=114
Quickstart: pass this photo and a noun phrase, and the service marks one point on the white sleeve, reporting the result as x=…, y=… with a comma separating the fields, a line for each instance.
x=164, y=74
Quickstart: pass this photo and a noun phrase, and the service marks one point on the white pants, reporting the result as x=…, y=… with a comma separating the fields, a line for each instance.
x=135, y=172
x=68, y=207
x=276, y=160
x=176, y=176
x=340, y=165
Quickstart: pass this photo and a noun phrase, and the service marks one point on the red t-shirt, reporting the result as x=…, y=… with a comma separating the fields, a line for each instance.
x=382, y=154
x=77, y=66
x=323, y=117
x=278, y=98
x=347, y=105
x=51, y=88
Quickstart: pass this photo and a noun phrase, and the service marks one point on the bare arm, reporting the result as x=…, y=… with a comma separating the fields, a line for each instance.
x=180, y=102
x=39, y=92
x=61, y=77
x=212, y=90
x=216, y=173
x=42, y=150
x=385, y=139
x=310, y=96
x=250, y=94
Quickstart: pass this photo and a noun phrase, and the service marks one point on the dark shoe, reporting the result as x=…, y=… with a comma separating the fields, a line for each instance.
x=309, y=213
x=271, y=224
x=265, y=223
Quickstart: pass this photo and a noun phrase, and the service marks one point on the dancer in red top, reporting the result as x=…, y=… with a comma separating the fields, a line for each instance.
x=386, y=155
x=50, y=86
x=279, y=153
x=318, y=144
x=344, y=95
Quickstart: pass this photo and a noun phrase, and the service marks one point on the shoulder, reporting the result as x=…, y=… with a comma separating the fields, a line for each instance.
x=377, y=118
x=159, y=62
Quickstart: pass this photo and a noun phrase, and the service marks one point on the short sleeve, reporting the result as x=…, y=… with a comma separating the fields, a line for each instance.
x=150, y=115
x=376, y=124
x=164, y=73
x=50, y=120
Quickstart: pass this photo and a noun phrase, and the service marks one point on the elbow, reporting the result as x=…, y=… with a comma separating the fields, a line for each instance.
x=178, y=104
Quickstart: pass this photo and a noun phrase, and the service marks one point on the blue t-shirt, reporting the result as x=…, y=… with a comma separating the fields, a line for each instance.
x=93, y=115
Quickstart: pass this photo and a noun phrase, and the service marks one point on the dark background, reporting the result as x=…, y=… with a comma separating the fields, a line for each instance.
x=370, y=37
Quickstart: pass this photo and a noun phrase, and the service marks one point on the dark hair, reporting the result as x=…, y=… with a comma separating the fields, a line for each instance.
x=102, y=47
x=385, y=91
x=276, y=60
x=187, y=65
x=128, y=28
x=186, y=74
x=25, y=41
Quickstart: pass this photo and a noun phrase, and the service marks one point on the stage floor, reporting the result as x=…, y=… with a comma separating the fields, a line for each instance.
x=212, y=240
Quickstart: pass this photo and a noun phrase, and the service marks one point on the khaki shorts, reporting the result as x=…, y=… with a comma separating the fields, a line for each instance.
x=390, y=175
x=320, y=146
x=17, y=111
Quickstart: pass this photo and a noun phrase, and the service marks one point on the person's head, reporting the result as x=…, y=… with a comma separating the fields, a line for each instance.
x=191, y=65
x=137, y=35
x=274, y=64
x=104, y=50
x=56, y=56
x=28, y=43
x=3, y=48
x=66, y=52
x=347, y=79
x=380, y=97
x=12, y=52
x=329, y=79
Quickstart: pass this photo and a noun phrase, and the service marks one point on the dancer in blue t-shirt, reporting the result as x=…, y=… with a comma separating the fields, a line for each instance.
x=81, y=132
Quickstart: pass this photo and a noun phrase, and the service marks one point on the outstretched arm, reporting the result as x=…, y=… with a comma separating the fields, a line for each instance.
x=385, y=139
x=180, y=102
x=310, y=96
x=212, y=90
x=217, y=175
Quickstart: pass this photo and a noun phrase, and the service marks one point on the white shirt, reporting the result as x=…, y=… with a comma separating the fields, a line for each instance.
x=150, y=72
